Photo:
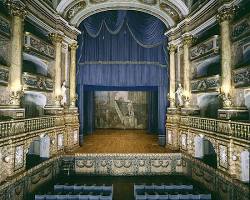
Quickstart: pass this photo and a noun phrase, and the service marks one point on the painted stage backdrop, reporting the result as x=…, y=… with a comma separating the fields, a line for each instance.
x=121, y=109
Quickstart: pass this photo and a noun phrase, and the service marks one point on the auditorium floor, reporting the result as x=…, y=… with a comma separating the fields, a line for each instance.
x=121, y=141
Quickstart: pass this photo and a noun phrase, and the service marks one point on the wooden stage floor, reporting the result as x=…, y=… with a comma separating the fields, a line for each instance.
x=121, y=141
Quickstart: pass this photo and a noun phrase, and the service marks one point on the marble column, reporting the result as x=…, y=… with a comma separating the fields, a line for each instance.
x=171, y=95
x=57, y=40
x=15, y=71
x=72, y=90
x=224, y=18
x=187, y=41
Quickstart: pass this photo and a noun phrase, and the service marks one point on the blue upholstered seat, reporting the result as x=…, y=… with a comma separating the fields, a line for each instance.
x=68, y=188
x=73, y=197
x=83, y=197
x=205, y=197
x=173, y=196
x=50, y=197
x=62, y=197
x=184, y=196
x=140, y=197
x=39, y=197
x=163, y=197
x=58, y=188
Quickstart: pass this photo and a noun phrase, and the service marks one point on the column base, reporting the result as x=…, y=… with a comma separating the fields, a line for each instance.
x=162, y=140
x=173, y=110
x=73, y=109
x=14, y=113
x=190, y=111
x=234, y=113
x=53, y=110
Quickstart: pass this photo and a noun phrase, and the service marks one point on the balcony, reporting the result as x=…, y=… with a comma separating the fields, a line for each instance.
x=37, y=82
x=208, y=47
x=206, y=84
x=238, y=130
x=241, y=77
x=14, y=127
x=34, y=45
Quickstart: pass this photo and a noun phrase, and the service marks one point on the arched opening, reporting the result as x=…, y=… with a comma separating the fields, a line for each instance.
x=210, y=155
x=122, y=72
x=38, y=151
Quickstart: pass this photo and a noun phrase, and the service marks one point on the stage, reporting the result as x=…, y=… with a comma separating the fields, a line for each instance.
x=121, y=141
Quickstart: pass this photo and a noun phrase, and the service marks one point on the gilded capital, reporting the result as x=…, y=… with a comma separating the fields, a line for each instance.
x=226, y=14
x=73, y=46
x=56, y=37
x=187, y=40
x=16, y=8
x=171, y=48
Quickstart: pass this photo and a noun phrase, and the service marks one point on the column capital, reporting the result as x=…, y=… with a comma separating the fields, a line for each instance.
x=56, y=37
x=171, y=48
x=16, y=8
x=187, y=39
x=73, y=46
x=226, y=13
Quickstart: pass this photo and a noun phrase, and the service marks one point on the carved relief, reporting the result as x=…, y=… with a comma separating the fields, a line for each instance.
x=223, y=156
x=241, y=28
x=75, y=9
x=37, y=82
x=4, y=75
x=209, y=46
x=19, y=157
x=149, y=2
x=4, y=26
x=34, y=44
x=241, y=77
x=206, y=84
x=170, y=11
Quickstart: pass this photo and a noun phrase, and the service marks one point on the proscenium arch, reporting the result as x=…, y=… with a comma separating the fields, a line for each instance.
x=91, y=9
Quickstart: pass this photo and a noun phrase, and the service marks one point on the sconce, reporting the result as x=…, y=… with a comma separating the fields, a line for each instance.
x=234, y=157
x=53, y=141
x=6, y=159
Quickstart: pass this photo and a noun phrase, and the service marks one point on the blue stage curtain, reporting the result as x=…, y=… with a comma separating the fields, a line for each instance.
x=117, y=52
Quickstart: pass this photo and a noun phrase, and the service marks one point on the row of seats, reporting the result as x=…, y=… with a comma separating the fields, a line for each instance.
x=174, y=197
x=83, y=188
x=72, y=197
x=161, y=188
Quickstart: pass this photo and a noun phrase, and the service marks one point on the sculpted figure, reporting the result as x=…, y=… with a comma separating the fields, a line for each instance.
x=179, y=94
x=64, y=94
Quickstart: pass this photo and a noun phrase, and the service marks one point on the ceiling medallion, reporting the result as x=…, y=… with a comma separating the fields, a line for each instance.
x=75, y=9
x=170, y=11
x=149, y=2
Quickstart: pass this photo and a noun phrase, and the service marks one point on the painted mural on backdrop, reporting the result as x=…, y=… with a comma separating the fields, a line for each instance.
x=121, y=109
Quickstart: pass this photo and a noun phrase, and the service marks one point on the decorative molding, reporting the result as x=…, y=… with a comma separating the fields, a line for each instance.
x=241, y=77
x=241, y=29
x=226, y=13
x=170, y=11
x=149, y=2
x=17, y=8
x=36, y=82
x=97, y=1
x=223, y=156
x=74, y=9
x=127, y=164
x=19, y=157
x=210, y=46
x=35, y=45
x=206, y=84
x=5, y=27
x=4, y=75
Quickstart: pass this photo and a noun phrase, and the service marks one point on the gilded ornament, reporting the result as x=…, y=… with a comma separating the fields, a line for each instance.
x=171, y=48
x=226, y=14
x=56, y=37
x=73, y=46
x=16, y=8
x=188, y=40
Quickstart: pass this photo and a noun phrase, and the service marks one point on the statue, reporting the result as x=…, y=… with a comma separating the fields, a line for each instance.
x=179, y=94
x=64, y=94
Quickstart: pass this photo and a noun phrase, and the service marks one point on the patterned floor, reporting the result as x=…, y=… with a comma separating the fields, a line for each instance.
x=121, y=141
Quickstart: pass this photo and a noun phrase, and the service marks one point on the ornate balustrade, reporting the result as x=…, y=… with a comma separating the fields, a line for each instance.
x=35, y=45
x=10, y=128
x=234, y=129
x=207, y=47
x=36, y=82
x=211, y=83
